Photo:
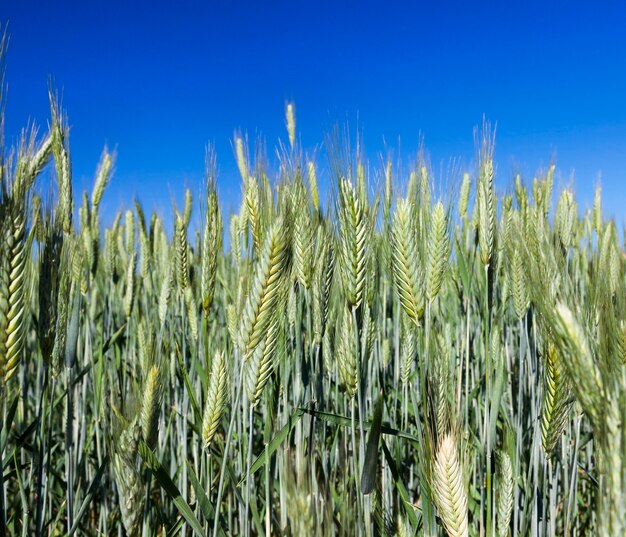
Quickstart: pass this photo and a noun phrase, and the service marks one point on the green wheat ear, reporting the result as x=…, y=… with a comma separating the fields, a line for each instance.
x=406, y=268
x=259, y=366
x=265, y=292
x=438, y=251
x=151, y=406
x=449, y=488
x=211, y=240
x=12, y=289
x=128, y=478
x=521, y=300
x=217, y=396
x=353, y=244
x=303, y=237
x=557, y=401
x=505, y=493
x=346, y=353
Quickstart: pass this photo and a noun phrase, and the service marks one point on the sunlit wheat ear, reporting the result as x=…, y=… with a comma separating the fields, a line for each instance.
x=486, y=206
x=187, y=207
x=235, y=240
x=519, y=285
x=566, y=218
x=129, y=231
x=353, y=243
x=505, y=494
x=60, y=150
x=242, y=159
x=216, y=398
x=253, y=210
x=211, y=247
x=408, y=350
x=346, y=353
x=313, y=190
x=587, y=381
x=192, y=312
x=506, y=224
x=260, y=363
x=12, y=290
x=182, y=252
x=110, y=254
x=103, y=175
x=265, y=291
x=290, y=116
x=609, y=262
x=464, y=193
x=438, y=251
x=597, y=211
x=557, y=401
x=441, y=381
x=303, y=242
x=406, y=267
x=449, y=488
x=151, y=406
x=144, y=346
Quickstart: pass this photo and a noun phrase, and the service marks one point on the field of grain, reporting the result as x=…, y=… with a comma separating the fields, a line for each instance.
x=382, y=362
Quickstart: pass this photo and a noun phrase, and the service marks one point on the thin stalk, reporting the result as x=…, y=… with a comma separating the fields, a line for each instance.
x=248, y=465
x=220, y=486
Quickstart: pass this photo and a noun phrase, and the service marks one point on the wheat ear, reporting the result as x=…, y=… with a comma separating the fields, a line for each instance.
x=217, y=396
x=449, y=488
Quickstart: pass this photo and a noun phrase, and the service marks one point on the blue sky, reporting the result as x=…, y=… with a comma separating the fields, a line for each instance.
x=160, y=81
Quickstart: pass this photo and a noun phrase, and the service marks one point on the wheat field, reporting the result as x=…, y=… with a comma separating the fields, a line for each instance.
x=386, y=361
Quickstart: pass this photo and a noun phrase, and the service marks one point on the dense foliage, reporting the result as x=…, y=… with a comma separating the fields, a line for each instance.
x=389, y=363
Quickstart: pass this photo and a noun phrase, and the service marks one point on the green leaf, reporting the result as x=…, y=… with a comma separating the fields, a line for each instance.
x=7, y=423
x=93, y=486
x=203, y=502
x=368, y=476
x=404, y=495
x=278, y=439
x=192, y=396
x=344, y=421
x=111, y=341
x=170, y=488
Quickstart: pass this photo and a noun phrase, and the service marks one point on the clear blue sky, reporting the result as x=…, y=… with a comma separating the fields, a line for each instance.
x=161, y=81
